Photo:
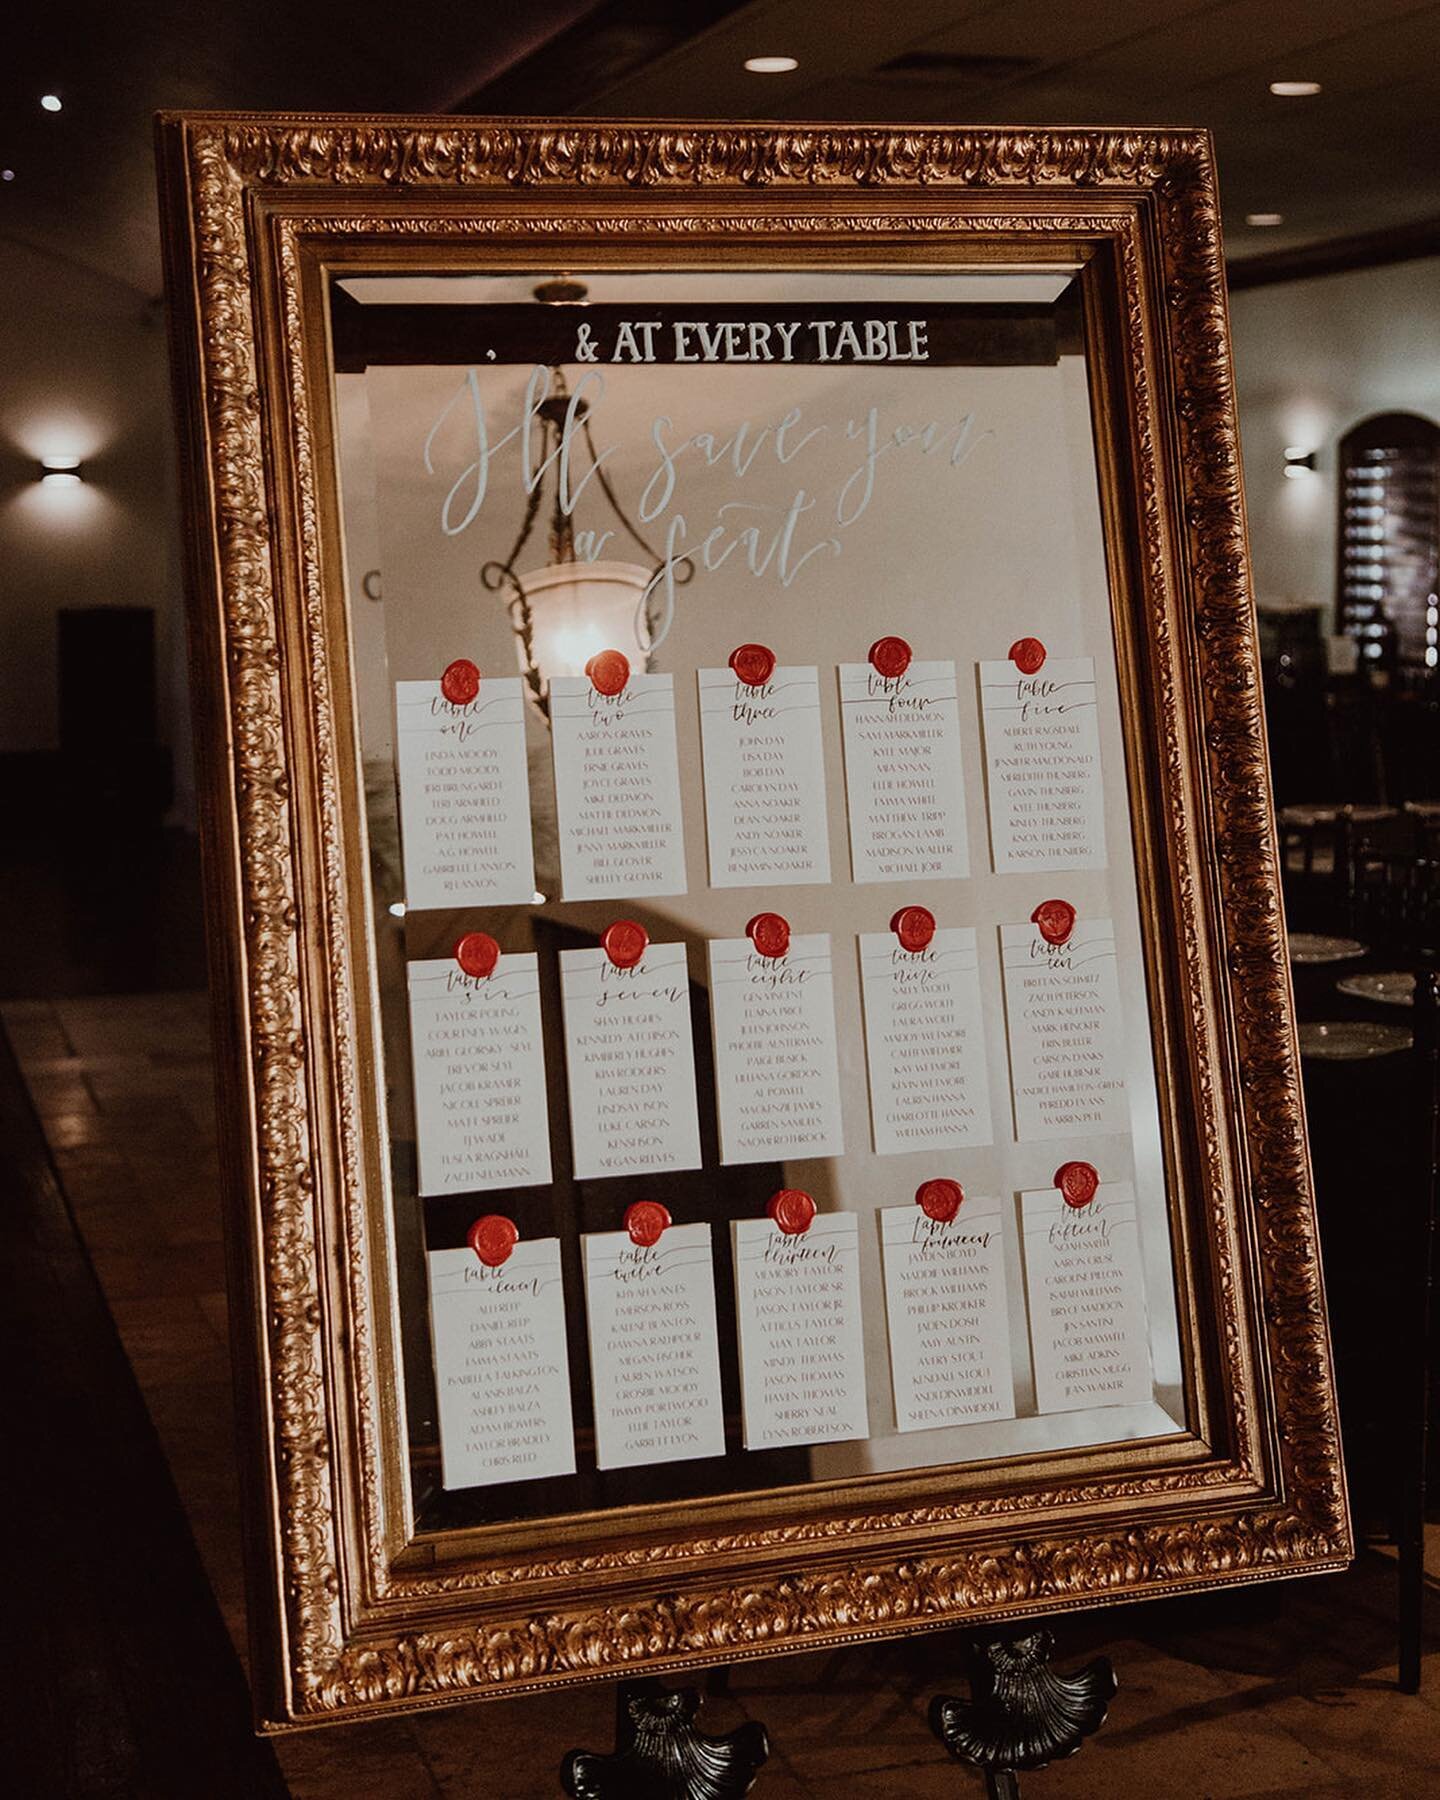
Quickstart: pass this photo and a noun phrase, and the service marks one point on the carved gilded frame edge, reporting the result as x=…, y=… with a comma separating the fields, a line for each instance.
x=340, y=1630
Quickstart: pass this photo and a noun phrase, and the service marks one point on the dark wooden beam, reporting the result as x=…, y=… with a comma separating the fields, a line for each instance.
x=1336, y=256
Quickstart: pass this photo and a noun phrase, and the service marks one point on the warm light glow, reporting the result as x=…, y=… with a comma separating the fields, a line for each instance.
x=51, y=102
x=60, y=471
x=1294, y=90
x=1264, y=218
x=771, y=65
x=578, y=609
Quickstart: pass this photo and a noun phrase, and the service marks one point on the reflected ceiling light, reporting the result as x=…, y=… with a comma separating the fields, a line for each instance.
x=1264, y=218
x=51, y=102
x=60, y=471
x=1294, y=90
x=7, y=174
x=567, y=612
x=771, y=65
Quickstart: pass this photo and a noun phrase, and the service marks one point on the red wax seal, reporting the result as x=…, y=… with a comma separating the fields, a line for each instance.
x=769, y=933
x=792, y=1210
x=461, y=682
x=625, y=943
x=939, y=1199
x=1077, y=1182
x=493, y=1238
x=1028, y=655
x=753, y=664
x=645, y=1221
x=914, y=926
x=477, y=953
x=890, y=657
x=609, y=670
x=1054, y=919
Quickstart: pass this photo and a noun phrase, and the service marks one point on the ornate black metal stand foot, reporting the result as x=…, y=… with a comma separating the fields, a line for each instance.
x=659, y=1755
x=1021, y=1714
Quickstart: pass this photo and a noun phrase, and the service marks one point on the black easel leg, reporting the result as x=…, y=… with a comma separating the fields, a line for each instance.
x=659, y=1755
x=1020, y=1714
x=1415, y=1364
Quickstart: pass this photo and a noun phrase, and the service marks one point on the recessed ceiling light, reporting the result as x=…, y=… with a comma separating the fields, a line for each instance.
x=1264, y=218
x=51, y=102
x=7, y=174
x=771, y=65
x=1294, y=90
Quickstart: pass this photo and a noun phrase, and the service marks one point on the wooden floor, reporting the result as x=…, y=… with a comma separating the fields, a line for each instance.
x=126, y=1684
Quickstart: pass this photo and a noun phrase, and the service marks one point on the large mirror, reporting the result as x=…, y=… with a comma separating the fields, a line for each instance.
x=758, y=1057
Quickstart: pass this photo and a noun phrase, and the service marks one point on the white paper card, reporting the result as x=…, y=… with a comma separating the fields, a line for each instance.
x=948, y=1319
x=631, y=1062
x=617, y=788
x=464, y=795
x=777, y=1077
x=904, y=774
x=502, y=1377
x=1088, y=1331
x=1042, y=764
x=654, y=1352
x=802, y=1345
x=924, y=1042
x=764, y=763
x=1067, y=1045
x=480, y=1114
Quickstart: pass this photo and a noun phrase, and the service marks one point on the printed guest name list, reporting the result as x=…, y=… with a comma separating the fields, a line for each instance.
x=1067, y=1044
x=764, y=778
x=480, y=1114
x=947, y=1316
x=654, y=1351
x=631, y=1062
x=777, y=1074
x=1042, y=760
x=617, y=788
x=502, y=1377
x=802, y=1349
x=464, y=795
x=1088, y=1330
x=929, y=1089
x=904, y=774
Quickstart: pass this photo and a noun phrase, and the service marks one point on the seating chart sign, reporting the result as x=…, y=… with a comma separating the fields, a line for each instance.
x=946, y=1309
x=1042, y=764
x=502, y=1378
x=617, y=788
x=925, y=1042
x=802, y=1356
x=904, y=773
x=654, y=1353
x=765, y=815
x=479, y=1066
x=1083, y=1280
x=704, y=757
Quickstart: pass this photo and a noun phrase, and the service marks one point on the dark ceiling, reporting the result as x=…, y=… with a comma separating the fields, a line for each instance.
x=1360, y=157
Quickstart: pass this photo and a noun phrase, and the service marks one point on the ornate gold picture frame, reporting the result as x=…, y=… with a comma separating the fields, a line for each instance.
x=363, y=1602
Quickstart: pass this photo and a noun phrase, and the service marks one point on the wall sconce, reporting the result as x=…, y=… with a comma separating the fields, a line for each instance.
x=60, y=471
x=1298, y=461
